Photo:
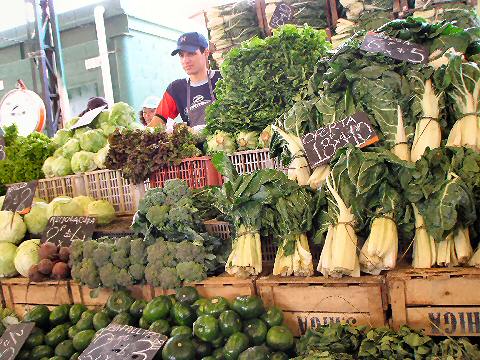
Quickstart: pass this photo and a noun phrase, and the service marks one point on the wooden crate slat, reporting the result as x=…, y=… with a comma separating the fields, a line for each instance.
x=82, y=294
x=20, y=291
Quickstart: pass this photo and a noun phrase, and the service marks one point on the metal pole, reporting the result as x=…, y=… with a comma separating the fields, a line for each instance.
x=103, y=54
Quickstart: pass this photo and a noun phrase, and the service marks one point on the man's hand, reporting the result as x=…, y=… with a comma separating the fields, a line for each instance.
x=156, y=121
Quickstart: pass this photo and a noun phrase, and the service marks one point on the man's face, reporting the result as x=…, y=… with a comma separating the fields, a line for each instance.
x=148, y=114
x=193, y=63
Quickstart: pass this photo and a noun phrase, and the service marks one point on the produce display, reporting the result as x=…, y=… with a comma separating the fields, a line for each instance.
x=85, y=149
x=262, y=77
x=311, y=12
x=24, y=156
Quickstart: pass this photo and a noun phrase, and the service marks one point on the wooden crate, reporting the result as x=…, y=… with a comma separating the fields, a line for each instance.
x=444, y=301
x=97, y=298
x=223, y=285
x=21, y=295
x=315, y=301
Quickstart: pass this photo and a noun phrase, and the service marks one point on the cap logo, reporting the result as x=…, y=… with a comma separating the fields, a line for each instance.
x=183, y=39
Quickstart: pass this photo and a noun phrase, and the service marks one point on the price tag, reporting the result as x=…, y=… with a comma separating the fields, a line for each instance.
x=321, y=145
x=395, y=48
x=3, y=155
x=19, y=197
x=88, y=117
x=62, y=230
x=123, y=342
x=13, y=339
x=282, y=15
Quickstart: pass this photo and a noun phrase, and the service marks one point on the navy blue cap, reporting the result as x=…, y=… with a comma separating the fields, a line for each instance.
x=190, y=42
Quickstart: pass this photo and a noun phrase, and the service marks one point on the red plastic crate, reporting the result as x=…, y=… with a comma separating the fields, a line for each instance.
x=198, y=172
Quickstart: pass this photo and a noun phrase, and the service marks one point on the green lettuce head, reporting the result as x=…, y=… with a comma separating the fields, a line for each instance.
x=47, y=167
x=102, y=210
x=101, y=156
x=221, y=141
x=7, y=266
x=92, y=140
x=61, y=166
x=71, y=147
x=37, y=219
x=12, y=227
x=71, y=122
x=83, y=201
x=64, y=206
x=121, y=114
x=62, y=136
x=247, y=140
x=83, y=161
x=27, y=256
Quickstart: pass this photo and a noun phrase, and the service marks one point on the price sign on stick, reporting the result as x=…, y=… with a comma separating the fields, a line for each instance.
x=13, y=339
x=19, y=197
x=123, y=342
x=62, y=230
x=321, y=145
x=395, y=48
x=282, y=15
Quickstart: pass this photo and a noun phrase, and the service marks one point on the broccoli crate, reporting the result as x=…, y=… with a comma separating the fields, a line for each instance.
x=110, y=185
x=198, y=172
x=440, y=301
x=315, y=301
x=97, y=298
x=22, y=295
x=223, y=285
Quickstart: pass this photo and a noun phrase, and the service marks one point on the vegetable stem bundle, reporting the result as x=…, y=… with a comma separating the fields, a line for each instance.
x=246, y=256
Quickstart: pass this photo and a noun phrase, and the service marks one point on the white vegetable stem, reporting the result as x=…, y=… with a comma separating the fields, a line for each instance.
x=339, y=254
x=381, y=248
x=299, y=263
x=424, y=250
x=246, y=256
x=463, y=246
x=298, y=169
x=401, y=148
x=427, y=131
x=318, y=176
x=446, y=252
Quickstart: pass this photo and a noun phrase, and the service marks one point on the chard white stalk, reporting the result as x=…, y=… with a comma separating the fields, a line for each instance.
x=446, y=252
x=463, y=246
x=318, y=176
x=475, y=259
x=381, y=248
x=401, y=148
x=424, y=249
x=299, y=169
x=299, y=263
x=325, y=263
x=343, y=259
x=427, y=131
x=246, y=256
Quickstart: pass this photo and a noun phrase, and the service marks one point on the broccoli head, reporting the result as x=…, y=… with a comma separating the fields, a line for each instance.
x=89, y=273
x=137, y=251
x=124, y=279
x=191, y=271
x=123, y=245
x=137, y=271
x=108, y=275
x=152, y=274
x=89, y=248
x=152, y=197
x=175, y=190
x=75, y=272
x=186, y=251
x=158, y=215
x=168, y=278
x=158, y=251
x=76, y=250
x=102, y=254
x=119, y=259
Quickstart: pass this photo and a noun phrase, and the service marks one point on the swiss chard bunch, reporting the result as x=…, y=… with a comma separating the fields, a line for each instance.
x=139, y=153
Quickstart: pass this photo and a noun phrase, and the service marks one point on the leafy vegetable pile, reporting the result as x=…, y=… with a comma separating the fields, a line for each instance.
x=338, y=341
x=85, y=149
x=462, y=15
x=139, y=153
x=262, y=77
x=24, y=157
x=311, y=12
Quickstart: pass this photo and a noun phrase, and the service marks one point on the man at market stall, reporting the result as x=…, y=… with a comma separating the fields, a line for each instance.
x=189, y=97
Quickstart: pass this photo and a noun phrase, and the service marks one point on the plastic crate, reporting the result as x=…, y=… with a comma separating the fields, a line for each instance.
x=198, y=172
x=221, y=229
x=48, y=189
x=246, y=162
x=110, y=185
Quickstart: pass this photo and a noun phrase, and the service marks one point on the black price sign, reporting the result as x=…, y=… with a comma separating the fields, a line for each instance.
x=321, y=145
x=395, y=48
x=13, y=339
x=282, y=15
x=62, y=230
x=19, y=197
x=3, y=155
x=123, y=342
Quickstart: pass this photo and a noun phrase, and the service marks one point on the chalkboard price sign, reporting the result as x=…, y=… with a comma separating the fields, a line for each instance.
x=395, y=48
x=321, y=145
x=123, y=342
x=282, y=15
x=13, y=339
x=3, y=155
x=62, y=230
x=19, y=197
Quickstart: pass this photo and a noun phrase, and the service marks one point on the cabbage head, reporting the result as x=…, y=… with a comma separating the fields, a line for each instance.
x=47, y=167
x=7, y=266
x=101, y=156
x=71, y=122
x=80, y=131
x=12, y=227
x=61, y=167
x=92, y=140
x=109, y=129
x=102, y=118
x=83, y=201
x=64, y=206
x=102, y=210
x=37, y=219
x=221, y=141
x=121, y=114
x=71, y=147
x=26, y=256
x=62, y=136
x=247, y=140
x=83, y=162
x=265, y=137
